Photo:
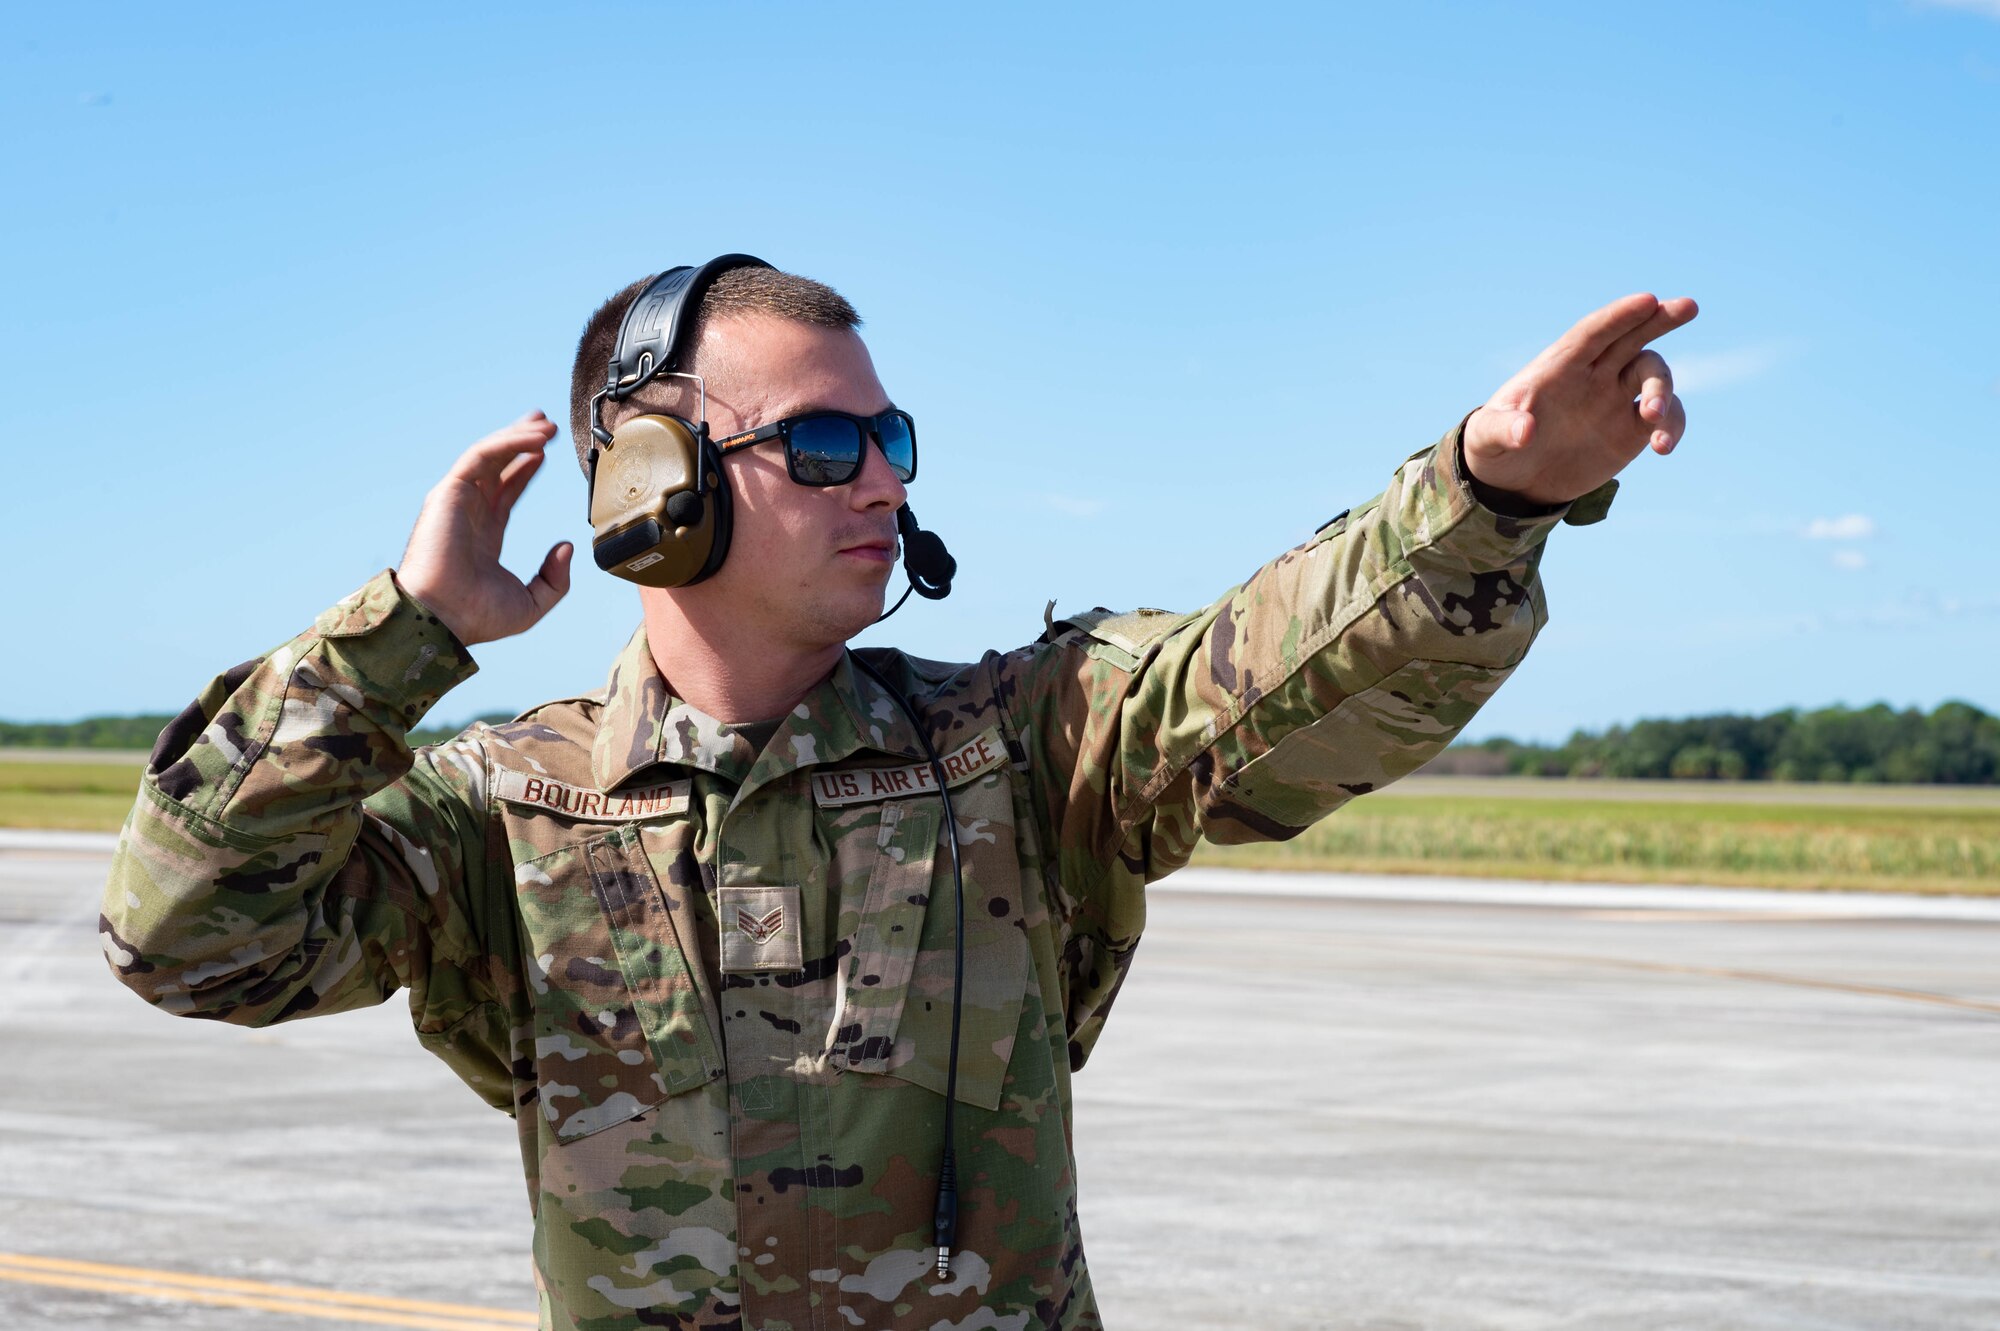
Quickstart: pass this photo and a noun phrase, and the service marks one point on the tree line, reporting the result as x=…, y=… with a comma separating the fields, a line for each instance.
x=94, y=732
x=1954, y=744
x=139, y=732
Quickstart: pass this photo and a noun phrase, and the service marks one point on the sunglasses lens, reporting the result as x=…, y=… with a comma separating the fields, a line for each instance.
x=899, y=445
x=825, y=450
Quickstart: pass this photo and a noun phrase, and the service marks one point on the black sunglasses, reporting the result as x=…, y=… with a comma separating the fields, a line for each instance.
x=825, y=447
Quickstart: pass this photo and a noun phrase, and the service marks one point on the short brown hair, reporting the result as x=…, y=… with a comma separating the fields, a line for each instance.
x=737, y=291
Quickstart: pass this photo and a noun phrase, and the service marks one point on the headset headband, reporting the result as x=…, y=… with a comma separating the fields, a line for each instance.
x=659, y=320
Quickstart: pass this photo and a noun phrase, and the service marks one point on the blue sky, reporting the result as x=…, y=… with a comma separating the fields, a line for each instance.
x=1164, y=286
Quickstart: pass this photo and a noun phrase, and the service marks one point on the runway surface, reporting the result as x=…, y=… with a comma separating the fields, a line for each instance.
x=1367, y=1104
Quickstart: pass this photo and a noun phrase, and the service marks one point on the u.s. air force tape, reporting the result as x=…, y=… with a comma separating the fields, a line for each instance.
x=590, y=805
x=863, y=785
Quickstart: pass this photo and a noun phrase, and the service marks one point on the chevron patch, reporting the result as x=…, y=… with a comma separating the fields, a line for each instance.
x=760, y=928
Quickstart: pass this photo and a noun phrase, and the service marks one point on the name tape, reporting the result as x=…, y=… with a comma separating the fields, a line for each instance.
x=864, y=785
x=590, y=805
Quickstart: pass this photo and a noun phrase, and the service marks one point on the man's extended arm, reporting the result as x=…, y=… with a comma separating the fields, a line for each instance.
x=1336, y=668
x=1340, y=666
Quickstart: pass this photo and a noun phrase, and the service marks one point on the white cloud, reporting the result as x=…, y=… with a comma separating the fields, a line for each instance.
x=1851, y=527
x=1702, y=372
x=1072, y=506
x=1851, y=560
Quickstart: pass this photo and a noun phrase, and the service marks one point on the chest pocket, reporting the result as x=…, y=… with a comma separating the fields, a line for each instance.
x=621, y=1021
x=896, y=1015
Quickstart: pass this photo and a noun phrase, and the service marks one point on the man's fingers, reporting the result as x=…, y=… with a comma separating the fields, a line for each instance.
x=1647, y=377
x=1672, y=425
x=1670, y=315
x=1594, y=333
x=514, y=479
x=484, y=461
x=551, y=584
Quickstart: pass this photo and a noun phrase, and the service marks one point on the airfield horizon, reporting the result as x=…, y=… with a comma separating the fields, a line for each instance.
x=1744, y=834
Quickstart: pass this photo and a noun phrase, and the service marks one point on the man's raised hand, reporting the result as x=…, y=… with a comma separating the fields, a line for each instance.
x=452, y=563
x=1584, y=408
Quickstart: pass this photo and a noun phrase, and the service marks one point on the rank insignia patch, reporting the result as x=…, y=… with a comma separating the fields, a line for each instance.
x=760, y=928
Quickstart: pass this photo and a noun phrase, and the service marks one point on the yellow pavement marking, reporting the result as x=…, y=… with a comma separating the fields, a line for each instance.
x=224, y=1291
x=213, y=1298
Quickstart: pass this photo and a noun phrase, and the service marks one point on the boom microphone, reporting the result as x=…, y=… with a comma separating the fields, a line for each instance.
x=929, y=565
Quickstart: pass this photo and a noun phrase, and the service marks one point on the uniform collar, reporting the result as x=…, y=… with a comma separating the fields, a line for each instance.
x=643, y=724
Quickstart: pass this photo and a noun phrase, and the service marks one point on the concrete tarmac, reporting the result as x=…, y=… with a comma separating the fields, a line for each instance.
x=1312, y=1108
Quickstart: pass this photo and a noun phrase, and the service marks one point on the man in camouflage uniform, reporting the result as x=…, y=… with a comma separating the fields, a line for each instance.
x=694, y=931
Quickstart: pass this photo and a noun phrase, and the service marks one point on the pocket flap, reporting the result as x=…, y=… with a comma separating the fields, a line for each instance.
x=653, y=955
x=620, y=1020
x=900, y=978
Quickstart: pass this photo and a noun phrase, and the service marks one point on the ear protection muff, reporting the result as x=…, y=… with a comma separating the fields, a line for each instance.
x=659, y=506
x=659, y=511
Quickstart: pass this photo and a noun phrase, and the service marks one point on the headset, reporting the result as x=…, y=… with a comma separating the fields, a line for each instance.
x=660, y=508
x=660, y=517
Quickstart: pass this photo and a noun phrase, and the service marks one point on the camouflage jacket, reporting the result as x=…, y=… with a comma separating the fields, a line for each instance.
x=712, y=982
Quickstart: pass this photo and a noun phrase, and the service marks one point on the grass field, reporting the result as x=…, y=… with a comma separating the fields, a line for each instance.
x=87, y=795
x=1896, y=839
x=1747, y=835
